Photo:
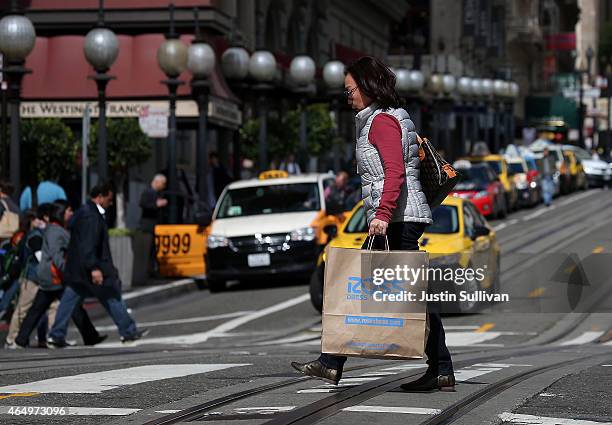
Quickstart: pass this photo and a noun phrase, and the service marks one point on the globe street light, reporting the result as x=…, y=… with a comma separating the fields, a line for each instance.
x=172, y=59
x=101, y=50
x=302, y=72
x=333, y=76
x=262, y=68
x=17, y=39
x=201, y=62
x=235, y=67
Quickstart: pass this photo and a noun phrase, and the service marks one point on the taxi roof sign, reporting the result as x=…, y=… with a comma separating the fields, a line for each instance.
x=273, y=174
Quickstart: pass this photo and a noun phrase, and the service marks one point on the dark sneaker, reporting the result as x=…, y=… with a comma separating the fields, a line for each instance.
x=97, y=340
x=58, y=343
x=317, y=370
x=430, y=383
x=131, y=338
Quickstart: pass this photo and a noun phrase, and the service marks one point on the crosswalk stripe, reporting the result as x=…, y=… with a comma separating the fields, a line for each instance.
x=516, y=418
x=181, y=321
x=392, y=409
x=584, y=338
x=98, y=382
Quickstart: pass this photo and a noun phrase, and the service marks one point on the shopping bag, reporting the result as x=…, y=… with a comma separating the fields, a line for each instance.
x=363, y=317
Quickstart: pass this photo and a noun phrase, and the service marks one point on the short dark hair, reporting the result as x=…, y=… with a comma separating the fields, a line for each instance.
x=103, y=188
x=43, y=210
x=375, y=80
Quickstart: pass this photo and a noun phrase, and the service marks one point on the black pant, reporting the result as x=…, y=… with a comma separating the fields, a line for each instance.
x=41, y=304
x=405, y=236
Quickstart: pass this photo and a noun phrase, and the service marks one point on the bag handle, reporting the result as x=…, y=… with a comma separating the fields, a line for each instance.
x=371, y=242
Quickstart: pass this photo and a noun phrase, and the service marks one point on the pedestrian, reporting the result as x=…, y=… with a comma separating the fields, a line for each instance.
x=28, y=253
x=152, y=202
x=395, y=205
x=290, y=166
x=339, y=192
x=50, y=272
x=90, y=271
x=9, y=212
x=548, y=169
x=46, y=192
x=220, y=176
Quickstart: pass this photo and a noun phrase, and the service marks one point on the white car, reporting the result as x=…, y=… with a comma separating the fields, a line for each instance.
x=598, y=172
x=272, y=226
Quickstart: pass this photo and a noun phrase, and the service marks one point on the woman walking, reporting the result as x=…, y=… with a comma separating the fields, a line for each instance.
x=49, y=275
x=395, y=205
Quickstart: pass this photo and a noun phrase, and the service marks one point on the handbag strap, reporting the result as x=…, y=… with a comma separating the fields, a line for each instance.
x=371, y=242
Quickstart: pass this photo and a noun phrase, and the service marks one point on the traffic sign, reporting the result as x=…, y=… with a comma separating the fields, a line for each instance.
x=154, y=121
x=587, y=93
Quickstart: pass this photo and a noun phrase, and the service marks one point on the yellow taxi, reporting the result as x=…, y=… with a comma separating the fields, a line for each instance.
x=275, y=225
x=500, y=166
x=459, y=237
x=578, y=178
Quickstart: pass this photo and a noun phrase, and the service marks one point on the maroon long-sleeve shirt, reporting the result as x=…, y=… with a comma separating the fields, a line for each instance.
x=386, y=135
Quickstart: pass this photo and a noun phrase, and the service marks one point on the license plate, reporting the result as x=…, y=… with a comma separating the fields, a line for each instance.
x=258, y=260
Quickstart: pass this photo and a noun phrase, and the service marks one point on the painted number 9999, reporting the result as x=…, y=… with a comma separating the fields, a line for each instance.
x=173, y=244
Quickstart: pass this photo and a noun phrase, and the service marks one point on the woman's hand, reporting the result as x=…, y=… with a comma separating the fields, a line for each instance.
x=378, y=227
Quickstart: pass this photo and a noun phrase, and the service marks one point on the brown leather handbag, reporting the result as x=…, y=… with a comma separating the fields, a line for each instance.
x=437, y=176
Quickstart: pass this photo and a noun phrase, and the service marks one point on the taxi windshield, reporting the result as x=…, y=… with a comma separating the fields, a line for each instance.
x=444, y=221
x=273, y=199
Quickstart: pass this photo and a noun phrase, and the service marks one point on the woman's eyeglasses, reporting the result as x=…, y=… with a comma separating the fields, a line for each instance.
x=350, y=92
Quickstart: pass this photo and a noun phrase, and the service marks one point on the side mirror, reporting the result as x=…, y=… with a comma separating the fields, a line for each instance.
x=331, y=230
x=480, y=231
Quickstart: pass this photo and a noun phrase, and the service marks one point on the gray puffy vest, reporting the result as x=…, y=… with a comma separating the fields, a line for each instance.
x=411, y=203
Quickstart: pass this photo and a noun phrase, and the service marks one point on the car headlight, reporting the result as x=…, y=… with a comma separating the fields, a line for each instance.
x=533, y=185
x=481, y=194
x=303, y=234
x=217, y=241
x=445, y=260
x=590, y=170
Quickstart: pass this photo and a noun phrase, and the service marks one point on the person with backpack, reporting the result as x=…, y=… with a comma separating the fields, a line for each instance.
x=50, y=278
x=28, y=253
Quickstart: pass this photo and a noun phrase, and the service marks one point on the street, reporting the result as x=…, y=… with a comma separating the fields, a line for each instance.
x=224, y=357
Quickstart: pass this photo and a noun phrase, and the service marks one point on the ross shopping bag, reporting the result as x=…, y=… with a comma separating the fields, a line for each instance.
x=358, y=319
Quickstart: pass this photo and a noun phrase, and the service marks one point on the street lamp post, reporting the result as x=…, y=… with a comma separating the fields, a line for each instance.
x=262, y=67
x=464, y=86
x=302, y=71
x=17, y=39
x=101, y=49
x=172, y=59
x=235, y=66
x=333, y=76
x=201, y=62
x=476, y=92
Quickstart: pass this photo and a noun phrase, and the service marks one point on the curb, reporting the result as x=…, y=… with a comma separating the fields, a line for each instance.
x=150, y=295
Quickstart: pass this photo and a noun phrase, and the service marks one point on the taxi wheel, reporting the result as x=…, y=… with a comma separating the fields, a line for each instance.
x=316, y=288
x=216, y=285
x=470, y=286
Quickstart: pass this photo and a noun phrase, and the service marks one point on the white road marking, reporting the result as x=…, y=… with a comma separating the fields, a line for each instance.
x=404, y=367
x=301, y=338
x=584, y=338
x=500, y=227
x=263, y=410
x=607, y=365
x=69, y=411
x=217, y=332
x=544, y=420
x=574, y=198
x=461, y=327
x=463, y=339
x=392, y=409
x=539, y=212
x=168, y=412
x=480, y=369
x=547, y=395
x=181, y=321
x=152, y=290
x=97, y=382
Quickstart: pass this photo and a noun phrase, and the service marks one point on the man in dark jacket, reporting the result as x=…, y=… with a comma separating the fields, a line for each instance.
x=90, y=270
x=152, y=203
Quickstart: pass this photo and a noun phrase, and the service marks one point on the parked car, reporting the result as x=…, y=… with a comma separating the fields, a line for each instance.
x=578, y=180
x=459, y=237
x=527, y=188
x=480, y=184
x=500, y=166
x=597, y=171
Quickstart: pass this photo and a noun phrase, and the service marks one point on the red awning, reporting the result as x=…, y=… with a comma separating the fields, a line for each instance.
x=60, y=70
